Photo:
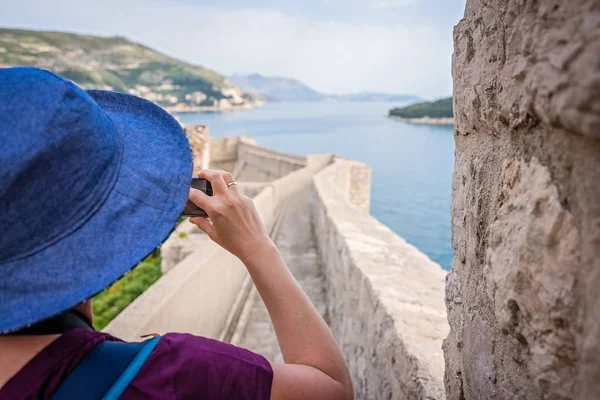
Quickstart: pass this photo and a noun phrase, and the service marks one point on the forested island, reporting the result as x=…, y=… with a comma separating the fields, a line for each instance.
x=437, y=112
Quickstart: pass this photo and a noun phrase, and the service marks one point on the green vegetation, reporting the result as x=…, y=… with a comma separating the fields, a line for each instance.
x=113, y=63
x=109, y=303
x=434, y=109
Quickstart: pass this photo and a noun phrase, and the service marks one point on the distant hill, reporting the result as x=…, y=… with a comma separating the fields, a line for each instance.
x=116, y=63
x=434, y=109
x=271, y=88
x=276, y=88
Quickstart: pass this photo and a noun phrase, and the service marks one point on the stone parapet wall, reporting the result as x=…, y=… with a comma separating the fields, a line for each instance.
x=384, y=297
x=198, y=137
x=259, y=164
x=353, y=183
x=223, y=151
x=522, y=296
x=195, y=296
x=251, y=163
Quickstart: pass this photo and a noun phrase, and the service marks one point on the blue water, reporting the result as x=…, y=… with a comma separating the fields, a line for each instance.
x=411, y=164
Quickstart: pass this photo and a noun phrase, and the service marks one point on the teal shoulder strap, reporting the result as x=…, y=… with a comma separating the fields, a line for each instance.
x=106, y=371
x=132, y=369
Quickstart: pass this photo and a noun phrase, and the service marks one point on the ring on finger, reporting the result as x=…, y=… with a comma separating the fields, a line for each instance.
x=232, y=183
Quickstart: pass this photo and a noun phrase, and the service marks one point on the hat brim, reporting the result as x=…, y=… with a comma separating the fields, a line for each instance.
x=139, y=214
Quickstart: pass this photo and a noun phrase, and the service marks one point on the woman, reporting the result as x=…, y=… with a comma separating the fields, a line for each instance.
x=91, y=183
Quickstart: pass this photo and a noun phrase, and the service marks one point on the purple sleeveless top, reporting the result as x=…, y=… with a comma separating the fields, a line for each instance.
x=181, y=366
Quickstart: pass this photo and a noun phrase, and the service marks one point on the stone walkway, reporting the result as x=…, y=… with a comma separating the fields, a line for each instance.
x=296, y=243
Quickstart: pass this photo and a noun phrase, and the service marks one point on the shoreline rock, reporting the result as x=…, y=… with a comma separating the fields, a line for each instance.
x=216, y=108
x=425, y=120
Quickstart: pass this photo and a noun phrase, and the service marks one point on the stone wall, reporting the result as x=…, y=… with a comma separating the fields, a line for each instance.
x=223, y=151
x=251, y=163
x=522, y=294
x=195, y=297
x=384, y=297
x=259, y=164
x=353, y=183
x=198, y=137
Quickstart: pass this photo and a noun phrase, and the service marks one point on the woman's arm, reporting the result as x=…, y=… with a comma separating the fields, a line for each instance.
x=314, y=366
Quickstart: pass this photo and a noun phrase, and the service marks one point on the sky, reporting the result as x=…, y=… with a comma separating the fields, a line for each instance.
x=335, y=46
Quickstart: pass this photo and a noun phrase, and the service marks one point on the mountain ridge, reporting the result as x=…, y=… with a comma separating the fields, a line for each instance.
x=278, y=88
x=117, y=63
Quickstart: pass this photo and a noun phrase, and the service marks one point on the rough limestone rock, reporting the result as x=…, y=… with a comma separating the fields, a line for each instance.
x=523, y=295
x=199, y=142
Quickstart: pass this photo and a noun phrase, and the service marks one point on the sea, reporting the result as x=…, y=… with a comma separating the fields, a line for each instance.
x=411, y=164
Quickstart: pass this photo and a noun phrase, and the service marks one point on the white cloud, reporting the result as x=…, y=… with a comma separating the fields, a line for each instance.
x=333, y=57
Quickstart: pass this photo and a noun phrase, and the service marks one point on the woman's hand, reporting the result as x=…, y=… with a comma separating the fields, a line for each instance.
x=233, y=221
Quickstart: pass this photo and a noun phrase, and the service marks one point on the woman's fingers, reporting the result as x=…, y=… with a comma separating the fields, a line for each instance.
x=205, y=225
x=234, y=221
x=228, y=179
x=226, y=175
x=216, y=180
x=201, y=199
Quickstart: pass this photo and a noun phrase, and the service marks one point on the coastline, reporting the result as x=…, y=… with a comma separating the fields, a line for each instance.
x=425, y=120
x=216, y=108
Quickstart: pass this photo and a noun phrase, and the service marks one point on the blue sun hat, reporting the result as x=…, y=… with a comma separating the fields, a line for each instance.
x=90, y=184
